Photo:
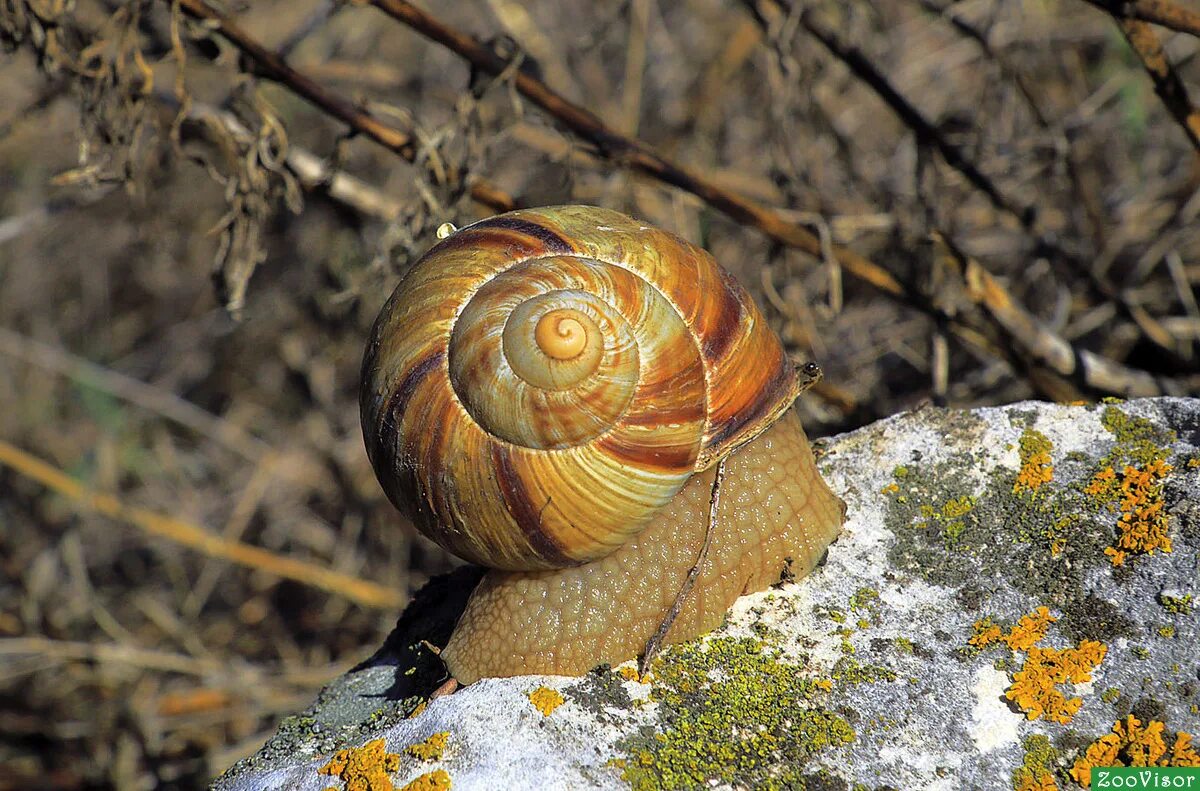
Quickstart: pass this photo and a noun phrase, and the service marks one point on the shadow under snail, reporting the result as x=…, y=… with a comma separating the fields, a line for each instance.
x=548, y=393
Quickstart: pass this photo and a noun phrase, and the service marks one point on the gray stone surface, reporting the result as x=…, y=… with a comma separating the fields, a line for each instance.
x=861, y=673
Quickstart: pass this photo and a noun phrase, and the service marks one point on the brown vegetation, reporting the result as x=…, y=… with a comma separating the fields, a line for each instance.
x=203, y=207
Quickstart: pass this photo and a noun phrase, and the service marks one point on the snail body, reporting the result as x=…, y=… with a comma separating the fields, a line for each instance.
x=546, y=393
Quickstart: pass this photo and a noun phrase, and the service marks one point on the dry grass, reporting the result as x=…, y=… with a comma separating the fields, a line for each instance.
x=962, y=202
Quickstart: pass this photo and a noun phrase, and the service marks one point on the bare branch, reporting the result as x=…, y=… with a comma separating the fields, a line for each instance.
x=640, y=156
x=1167, y=83
x=272, y=66
x=1028, y=215
x=1160, y=12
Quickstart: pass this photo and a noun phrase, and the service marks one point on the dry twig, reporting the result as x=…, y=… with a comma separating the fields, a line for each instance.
x=272, y=66
x=363, y=592
x=1167, y=83
x=1160, y=12
x=640, y=156
x=927, y=134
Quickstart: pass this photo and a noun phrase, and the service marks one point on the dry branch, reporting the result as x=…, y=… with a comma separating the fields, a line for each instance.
x=640, y=156
x=363, y=592
x=631, y=152
x=1160, y=12
x=269, y=64
x=1167, y=83
x=1027, y=215
x=313, y=172
x=1043, y=346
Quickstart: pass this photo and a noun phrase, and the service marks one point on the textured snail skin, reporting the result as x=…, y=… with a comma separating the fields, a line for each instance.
x=777, y=516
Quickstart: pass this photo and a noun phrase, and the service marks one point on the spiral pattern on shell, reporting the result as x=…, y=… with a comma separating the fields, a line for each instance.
x=542, y=382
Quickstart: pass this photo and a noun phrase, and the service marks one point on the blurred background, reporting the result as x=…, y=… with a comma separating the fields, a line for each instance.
x=203, y=207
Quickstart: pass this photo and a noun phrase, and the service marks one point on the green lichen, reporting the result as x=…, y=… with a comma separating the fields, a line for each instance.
x=947, y=525
x=904, y=645
x=734, y=712
x=1111, y=695
x=1176, y=605
x=1167, y=631
x=849, y=671
x=865, y=599
x=1138, y=441
x=1038, y=765
x=962, y=547
x=837, y=616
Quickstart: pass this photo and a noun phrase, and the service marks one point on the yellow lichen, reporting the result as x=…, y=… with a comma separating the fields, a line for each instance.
x=1137, y=494
x=1035, y=686
x=630, y=673
x=545, y=700
x=1036, y=770
x=437, y=780
x=420, y=708
x=431, y=749
x=1131, y=744
x=1183, y=754
x=1031, y=780
x=364, y=768
x=1036, y=468
x=986, y=633
x=1028, y=631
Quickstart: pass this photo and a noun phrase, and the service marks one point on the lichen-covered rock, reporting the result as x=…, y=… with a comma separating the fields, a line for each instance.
x=1016, y=597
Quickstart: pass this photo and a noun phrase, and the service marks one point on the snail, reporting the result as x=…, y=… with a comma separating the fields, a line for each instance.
x=548, y=393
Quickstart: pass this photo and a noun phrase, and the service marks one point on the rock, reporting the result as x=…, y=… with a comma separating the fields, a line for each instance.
x=988, y=614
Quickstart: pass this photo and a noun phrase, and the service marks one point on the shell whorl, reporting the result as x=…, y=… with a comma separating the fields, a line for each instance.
x=542, y=382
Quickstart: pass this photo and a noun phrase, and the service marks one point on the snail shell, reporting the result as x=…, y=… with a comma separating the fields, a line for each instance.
x=543, y=382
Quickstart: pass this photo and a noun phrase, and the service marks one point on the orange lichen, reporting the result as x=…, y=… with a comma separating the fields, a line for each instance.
x=631, y=674
x=1036, y=468
x=431, y=749
x=891, y=488
x=1130, y=744
x=1028, y=631
x=420, y=708
x=437, y=780
x=986, y=633
x=545, y=700
x=1137, y=494
x=1035, y=686
x=1028, y=780
x=1183, y=754
x=364, y=768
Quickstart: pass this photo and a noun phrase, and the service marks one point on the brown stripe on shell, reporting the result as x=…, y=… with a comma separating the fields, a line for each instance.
x=679, y=413
x=552, y=241
x=655, y=458
x=781, y=388
x=514, y=245
x=398, y=401
x=526, y=514
x=724, y=326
